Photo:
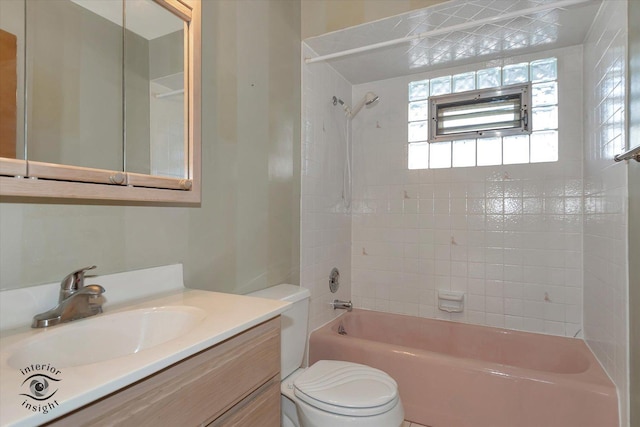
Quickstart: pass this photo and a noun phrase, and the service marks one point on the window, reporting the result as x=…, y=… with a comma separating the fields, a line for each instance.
x=487, y=112
x=493, y=116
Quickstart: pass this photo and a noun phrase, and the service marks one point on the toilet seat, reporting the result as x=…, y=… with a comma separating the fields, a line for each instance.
x=346, y=388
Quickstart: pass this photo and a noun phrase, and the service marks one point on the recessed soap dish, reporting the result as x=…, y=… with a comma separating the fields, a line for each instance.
x=451, y=301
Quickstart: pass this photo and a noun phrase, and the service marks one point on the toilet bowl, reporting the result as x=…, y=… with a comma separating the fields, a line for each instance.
x=329, y=393
x=336, y=393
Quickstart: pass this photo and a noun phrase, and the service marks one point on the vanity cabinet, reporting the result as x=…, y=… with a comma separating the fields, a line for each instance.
x=234, y=383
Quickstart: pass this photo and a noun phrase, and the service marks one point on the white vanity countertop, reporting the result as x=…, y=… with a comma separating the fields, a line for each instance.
x=225, y=316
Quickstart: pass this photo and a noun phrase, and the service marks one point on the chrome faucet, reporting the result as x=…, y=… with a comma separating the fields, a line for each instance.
x=345, y=305
x=76, y=301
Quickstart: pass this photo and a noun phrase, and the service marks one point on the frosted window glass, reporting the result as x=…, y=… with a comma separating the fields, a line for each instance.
x=515, y=149
x=441, y=85
x=544, y=94
x=545, y=118
x=418, y=111
x=418, y=90
x=440, y=153
x=544, y=70
x=464, y=82
x=464, y=153
x=544, y=146
x=419, y=155
x=418, y=131
x=489, y=151
x=489, y=77
x=517, y=73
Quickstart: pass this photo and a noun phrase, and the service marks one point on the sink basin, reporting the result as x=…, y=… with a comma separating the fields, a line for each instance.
x=106, y=337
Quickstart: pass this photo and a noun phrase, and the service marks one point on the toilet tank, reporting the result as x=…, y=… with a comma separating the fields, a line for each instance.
x=293, y=324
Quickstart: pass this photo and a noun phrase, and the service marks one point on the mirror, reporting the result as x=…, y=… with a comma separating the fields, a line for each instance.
x=154, y=90
x=73, y=86
x=106, y=93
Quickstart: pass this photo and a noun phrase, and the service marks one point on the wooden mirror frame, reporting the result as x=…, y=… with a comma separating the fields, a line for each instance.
x=26, y=178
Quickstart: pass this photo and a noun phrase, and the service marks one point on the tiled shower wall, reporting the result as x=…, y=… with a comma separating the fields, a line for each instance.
x=325, y=216
x=606, y=197
x=509, y=237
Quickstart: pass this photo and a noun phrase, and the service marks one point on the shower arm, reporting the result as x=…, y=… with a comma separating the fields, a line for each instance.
x=355, y=110
x=368, y=99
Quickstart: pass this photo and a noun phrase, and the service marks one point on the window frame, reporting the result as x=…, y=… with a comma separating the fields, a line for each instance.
x=476, y=96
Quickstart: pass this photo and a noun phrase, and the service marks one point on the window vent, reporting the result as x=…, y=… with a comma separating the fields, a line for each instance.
x=495, y=112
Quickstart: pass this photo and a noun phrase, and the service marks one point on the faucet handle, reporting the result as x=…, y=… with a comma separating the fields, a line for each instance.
x=92, y=290
x=74, y=281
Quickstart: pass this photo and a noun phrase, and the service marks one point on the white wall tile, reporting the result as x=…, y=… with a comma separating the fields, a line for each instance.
x=605, y=308
x=505, y=235
x=325, y=235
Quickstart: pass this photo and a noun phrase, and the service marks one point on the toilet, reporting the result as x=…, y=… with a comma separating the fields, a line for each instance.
x=329, y=393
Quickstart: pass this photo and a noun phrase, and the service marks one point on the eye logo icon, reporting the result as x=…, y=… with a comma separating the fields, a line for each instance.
x=39, y=387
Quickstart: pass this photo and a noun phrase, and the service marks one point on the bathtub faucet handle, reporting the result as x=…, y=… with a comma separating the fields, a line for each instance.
x=344, y=305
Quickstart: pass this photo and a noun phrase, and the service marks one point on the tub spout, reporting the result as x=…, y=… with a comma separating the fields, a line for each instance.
x=344, y=305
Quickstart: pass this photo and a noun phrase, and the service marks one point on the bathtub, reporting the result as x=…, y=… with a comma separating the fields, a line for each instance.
x=458, y=375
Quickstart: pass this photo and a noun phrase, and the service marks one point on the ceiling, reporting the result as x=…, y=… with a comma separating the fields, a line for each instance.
x=144, y=17
x=457, y=32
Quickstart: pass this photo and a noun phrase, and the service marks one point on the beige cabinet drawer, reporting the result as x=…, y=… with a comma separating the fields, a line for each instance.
x=261, y=408
x=194, y=391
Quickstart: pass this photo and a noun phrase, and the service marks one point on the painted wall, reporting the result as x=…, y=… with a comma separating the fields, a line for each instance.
x=325, y=214
x=320, y=17
x=166, y=55
x=606, y=197
x=245, y=234
x=509, y=237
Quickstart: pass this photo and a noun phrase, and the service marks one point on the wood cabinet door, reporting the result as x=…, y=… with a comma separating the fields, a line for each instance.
x=8, y=89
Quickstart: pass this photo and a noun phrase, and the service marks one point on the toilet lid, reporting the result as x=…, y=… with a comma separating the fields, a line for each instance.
x=346, y=388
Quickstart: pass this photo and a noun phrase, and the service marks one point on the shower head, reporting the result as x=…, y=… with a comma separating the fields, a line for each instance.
x=369, y=99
